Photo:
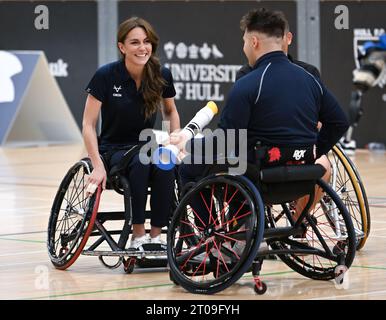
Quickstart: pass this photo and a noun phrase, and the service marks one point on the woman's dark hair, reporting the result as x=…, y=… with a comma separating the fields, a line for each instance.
x=271, y=23
x=153, y=82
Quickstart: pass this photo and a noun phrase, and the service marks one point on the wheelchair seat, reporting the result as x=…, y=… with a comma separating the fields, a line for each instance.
x=277, y=184
x=115, y=173
x=287, y=183
x=121, y=166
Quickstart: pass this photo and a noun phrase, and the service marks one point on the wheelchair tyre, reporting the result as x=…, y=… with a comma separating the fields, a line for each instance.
x=172, y=279
x=208, y=255
x=72, y=216
x=350, y=188
x=338, y=236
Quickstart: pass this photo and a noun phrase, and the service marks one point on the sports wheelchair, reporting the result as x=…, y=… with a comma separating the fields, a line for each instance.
x=218, y=227
x=347, y=183
x=75, y=218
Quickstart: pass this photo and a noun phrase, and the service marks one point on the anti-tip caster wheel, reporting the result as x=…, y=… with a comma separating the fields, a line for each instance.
x=129, y=265
x=339, y=274
x=260, y=287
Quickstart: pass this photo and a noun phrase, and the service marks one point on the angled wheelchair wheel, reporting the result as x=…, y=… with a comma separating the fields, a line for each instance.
x=72, y=216
x=329, y=230
x=345, y=180
x=214, y=231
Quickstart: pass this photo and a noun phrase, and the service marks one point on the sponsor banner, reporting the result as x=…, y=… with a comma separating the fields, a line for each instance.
x=67, y=33
x=201, y=43
x=32, y=108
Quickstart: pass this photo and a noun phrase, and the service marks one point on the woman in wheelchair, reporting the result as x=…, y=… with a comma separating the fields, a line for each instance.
x=128, y=94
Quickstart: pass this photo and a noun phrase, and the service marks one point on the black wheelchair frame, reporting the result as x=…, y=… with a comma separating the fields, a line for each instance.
x=67, y=236
x=197, y=252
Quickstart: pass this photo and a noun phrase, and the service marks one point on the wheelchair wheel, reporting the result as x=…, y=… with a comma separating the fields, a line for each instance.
x=345, y=180
x=72, y=216
x=329, y=230
x=213, y=234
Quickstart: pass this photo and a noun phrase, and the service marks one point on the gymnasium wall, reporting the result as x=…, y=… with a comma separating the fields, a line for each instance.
x=200, y=41
x=338, y=49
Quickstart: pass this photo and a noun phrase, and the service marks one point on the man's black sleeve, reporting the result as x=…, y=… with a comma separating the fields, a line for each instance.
x=308, y=67
x=245, y=69
x=334, y=123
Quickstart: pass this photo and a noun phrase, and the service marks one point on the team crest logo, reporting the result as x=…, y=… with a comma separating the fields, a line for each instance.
x=117, y=89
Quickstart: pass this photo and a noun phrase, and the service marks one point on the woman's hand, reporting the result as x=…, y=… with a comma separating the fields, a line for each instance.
x=97, y=177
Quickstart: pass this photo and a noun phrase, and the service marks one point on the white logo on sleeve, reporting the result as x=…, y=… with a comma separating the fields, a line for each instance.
x=299, y=154
x=9, y=66
x=117, y=89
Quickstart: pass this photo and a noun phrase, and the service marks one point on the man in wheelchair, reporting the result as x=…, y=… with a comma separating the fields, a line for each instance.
x=278, y=103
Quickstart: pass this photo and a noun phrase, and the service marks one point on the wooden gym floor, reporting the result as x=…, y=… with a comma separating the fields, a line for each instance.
x=29, y=178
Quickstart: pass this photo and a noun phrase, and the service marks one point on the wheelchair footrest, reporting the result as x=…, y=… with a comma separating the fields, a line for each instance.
x=127, y=253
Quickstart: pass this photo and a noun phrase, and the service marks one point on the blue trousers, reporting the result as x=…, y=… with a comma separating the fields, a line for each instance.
x=162, y=189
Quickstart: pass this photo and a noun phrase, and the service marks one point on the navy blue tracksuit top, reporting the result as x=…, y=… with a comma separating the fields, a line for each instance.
x=280, y=103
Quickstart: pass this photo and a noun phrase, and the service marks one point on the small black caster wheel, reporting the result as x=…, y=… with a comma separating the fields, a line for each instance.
x=172, y=279
x=129, y=265
x=261, y=289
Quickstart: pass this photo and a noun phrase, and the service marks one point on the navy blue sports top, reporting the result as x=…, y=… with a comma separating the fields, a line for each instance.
x=122, y=110
x=280, y=103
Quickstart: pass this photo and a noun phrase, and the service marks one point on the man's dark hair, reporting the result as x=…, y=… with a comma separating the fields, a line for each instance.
x=271, y=23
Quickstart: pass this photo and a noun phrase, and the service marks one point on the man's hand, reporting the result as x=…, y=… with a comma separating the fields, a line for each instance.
x=179, y=139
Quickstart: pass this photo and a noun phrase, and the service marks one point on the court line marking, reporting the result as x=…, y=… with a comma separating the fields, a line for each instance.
x=374, y=236
x=133, y=288
x=42, y=262
x=24, y=216
x=39, y=163
x=22, y=240
x=17, y=197
x=349, y=295
x=375, y=197
x=21, y=233
x=22, y=253
x=375, y=230
x=171, y=284
x=369, y=267
x=29, y=184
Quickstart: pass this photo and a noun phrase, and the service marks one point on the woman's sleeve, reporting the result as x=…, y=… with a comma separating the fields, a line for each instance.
x=97, y=86
x=169, y=90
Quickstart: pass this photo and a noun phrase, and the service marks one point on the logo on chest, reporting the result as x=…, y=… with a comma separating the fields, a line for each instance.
x=117, y=89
